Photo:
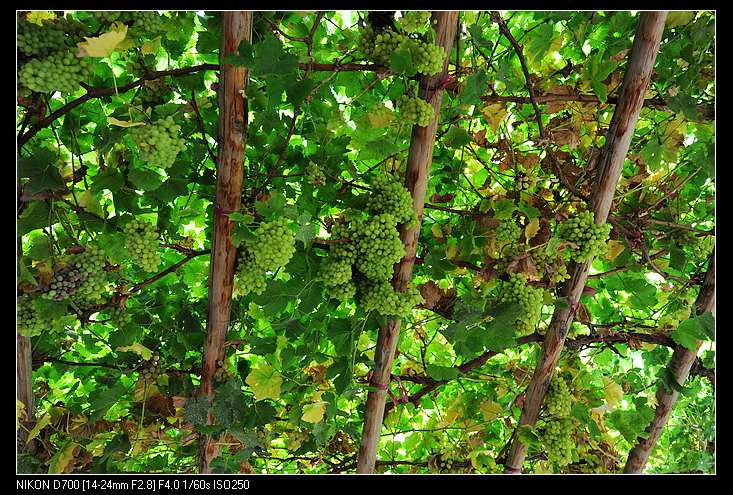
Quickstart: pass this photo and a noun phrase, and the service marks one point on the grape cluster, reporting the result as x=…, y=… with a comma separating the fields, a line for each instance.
x=427, y=57
x=160, y=143
x=154, y=92
x=558, y=440
x=314, y=175
x=378, y=246
x=558, y=398
x=29, y=322
x=91, y=264
x=414, y=21
x=142, y=243
x=58, y=72
x=507, y=231
x=223, y=373
x=529, y=298
x=119, y=316
x=272, y=248
x=38, y=40
x=415, y=110
x=390, y=196
x=148, y=20
x=524, y=182
x=151, y=371
x=589, y=237
x=385, y=43
x=367, y=249
x=380, y=296
x=64, y=283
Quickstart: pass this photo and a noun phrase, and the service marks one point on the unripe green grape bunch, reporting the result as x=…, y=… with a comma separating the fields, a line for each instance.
x=415, y=110
x=529, y=298
x=558, y=441
x=223, y=373
x=378, y=246
x=589, y=238
x=35, y=40
x=58, y=72
x=152, y=369
x=558, y=398
x=507, y=231
x=119, y=316
x=343, y=292
x=314, y=175
x=427, y=57
x=91, y=263
x=414, y=21
x=142, y=243
x=271, y=249
x=391, y=197
x=385, y=43
x=160, y=143
x=380, y=296
x=29, y=321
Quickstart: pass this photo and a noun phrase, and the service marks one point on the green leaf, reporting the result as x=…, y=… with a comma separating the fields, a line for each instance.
x=109, y=179
x=442, y=372
x=457, y=138
x=500, y=332
x=145, y=180
x=476, y=85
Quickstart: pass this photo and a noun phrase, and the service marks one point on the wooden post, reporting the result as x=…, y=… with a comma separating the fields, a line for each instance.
x=631, y=99
x=236, y=27
x=679, y=367
x=416, y=180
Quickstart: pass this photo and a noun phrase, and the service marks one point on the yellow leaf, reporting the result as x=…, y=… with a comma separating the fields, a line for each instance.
x=38, y=16
x=123, y=123
x=531, y=229
x=613, y=392
x=494, y=113
x=150, y=47
x=89, y=202
x=19, y=412
x=104, y=45
x=490, y=410
x=437, y=231
x=41, y=424
x=313, y=413
x=60, y=461
x=679, y=18
x=382, y=118
x=137, y=348
x=613, y=249
x=265, y=382
x=652, y=401
x=451, y=252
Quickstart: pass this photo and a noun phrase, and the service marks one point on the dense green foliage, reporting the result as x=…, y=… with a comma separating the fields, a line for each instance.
x=116, y=207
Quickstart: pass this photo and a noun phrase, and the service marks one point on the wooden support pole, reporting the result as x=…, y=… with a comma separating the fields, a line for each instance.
x=236, y=27
x=416, y=181
x=631, y=99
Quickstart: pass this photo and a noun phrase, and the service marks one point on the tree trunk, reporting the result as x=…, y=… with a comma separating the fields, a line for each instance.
x=24, y=389
x=416, y=180
x=236, y=27
x=621, y=130
x=679, y=366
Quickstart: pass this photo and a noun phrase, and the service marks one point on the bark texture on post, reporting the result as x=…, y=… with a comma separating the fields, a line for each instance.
x=24, y=389
x=679, y=367
x=630, y=101
x=416, y=181
x=236, y=27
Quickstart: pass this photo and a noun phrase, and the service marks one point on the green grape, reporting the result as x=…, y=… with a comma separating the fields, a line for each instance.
x=119, y=316
x=152, y=369
x=152, y=93
x=391, y=197
x=335, y=271
x=91, y=263
x=386, y=43
x=271, y=249
x=378, y=246
x=141, y=244
x=107, y=16
x=507, y=231
x=415, y=110
x=414, y=21
x=29, y=322
x=343, y=292
x=249, y=277
x=365, y=44
x=529, y=298
x=558, y=398
x=145, y=21
x=223, y=373
x=274, y=244
x=558, y=440
x=57, y=72
x=314, y=175
x=35, y=40
x=589, y=237
x=380, y=296
x=160, y=143
x=427, y=58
